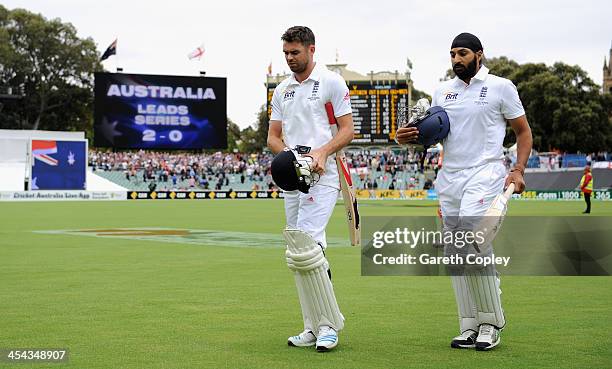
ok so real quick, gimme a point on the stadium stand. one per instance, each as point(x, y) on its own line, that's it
point(554, 160)
point(383, 169)
point(223, 171)
point(566, 179)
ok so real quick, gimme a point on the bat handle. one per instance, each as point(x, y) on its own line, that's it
point(331, 117)
point(509, 190)
point(329, 109)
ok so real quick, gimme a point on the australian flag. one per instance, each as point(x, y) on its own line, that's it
point(111, 50)
point(58, 165)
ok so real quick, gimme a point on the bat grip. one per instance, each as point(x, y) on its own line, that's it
point(329, 109)
point(509, 190)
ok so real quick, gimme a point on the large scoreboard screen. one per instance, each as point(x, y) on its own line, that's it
point(375, 109)
point(138, 111)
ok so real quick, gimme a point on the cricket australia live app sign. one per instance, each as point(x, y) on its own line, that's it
point(160, 112)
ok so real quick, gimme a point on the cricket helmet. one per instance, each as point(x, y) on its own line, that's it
point(291, 170)
point(433, 126)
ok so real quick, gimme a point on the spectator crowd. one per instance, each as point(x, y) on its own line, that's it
point(372, 169)
point(172, 170)
point(201, 171)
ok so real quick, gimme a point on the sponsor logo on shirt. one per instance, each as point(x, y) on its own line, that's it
point(289, 95)
point(451, 96)
point(347, 96)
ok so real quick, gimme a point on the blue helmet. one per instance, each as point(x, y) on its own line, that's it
point(433, 127)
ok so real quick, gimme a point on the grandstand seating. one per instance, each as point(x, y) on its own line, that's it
point(403, 180)
point(566, 179)
point(113, 167)
point(137, 182)
point(567, 160)
point(574, 161)
point(533, 162)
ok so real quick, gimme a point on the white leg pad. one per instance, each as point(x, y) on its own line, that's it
point(465, 304)
point(484, 287)
point(306, 314)
point(315, 290)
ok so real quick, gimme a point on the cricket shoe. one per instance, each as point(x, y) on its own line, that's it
point(327, 339)
point(304, 339)
point(466, 339)
point(488, 337)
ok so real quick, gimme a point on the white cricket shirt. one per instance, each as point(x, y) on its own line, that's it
point(301, 109)
point(477, 114)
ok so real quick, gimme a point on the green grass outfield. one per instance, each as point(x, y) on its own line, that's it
point(119, 303)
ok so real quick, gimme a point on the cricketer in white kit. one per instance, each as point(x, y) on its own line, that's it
point(299, 118)
point(479, 105)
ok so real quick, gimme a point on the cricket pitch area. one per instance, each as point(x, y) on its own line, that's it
point(204, 284)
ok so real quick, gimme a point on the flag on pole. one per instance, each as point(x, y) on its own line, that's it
point(197, 53)
point(270, 69)
point(111, 50)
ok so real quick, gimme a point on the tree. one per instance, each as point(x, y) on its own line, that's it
point(248, 138)
point(51, 66)
point(564, 107)
point(502, 66)
point(261, 126)
point(255, 137)
point(233, 136)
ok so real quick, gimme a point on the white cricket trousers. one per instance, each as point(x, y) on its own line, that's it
point(311, 211)
point(469, 193)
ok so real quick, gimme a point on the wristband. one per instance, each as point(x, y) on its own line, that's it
point(520, 170)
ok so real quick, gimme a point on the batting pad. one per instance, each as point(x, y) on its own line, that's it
point(465, 304)
point(484, 286)
point(317, 299)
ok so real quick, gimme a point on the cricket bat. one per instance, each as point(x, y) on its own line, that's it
point(491, 221)
point(346, 184)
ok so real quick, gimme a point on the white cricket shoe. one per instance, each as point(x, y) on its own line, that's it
point(488, 337)
point(304, 339)
point(327, 339)
point(466, 339)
